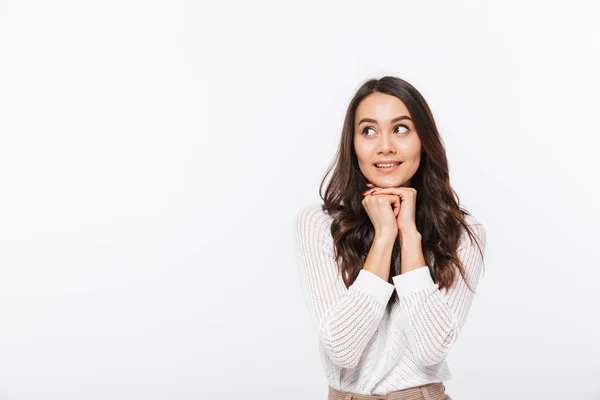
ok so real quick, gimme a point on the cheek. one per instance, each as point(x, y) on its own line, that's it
point(363, 162)
point(412, 148)
point(362, 154)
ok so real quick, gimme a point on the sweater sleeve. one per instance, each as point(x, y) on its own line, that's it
point(432, 318)
point(345, 319)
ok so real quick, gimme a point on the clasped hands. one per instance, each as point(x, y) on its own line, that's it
point(404, 207)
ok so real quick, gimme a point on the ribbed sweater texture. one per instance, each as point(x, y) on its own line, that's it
point(368, 344)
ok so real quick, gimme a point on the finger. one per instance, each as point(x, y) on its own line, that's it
point(369, 184)
point(396, 191)
point(370, 191)
point(391, 190)
point(396, 206)
point(392, 199)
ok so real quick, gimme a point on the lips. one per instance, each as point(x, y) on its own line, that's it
point(395, 163)
point(388, 170)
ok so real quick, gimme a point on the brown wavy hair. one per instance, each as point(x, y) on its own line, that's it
point(439, 216)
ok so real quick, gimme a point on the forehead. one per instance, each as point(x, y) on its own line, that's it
point(382, 107)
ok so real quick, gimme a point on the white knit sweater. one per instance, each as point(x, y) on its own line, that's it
point(368, 346)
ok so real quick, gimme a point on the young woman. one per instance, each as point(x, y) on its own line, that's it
point(390, 262)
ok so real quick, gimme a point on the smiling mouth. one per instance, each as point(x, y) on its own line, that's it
point(384, 166)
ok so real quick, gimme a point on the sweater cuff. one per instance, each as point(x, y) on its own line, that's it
point(373, 285)
point(412, 281)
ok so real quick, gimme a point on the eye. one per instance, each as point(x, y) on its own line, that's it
point(404, 126)
point(366, 129)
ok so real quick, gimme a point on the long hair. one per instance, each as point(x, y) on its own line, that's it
point(439, 216)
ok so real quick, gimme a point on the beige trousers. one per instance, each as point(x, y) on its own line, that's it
point(430, 391)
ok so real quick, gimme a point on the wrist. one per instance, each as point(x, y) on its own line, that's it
point(411, 235)
point(384, 241)
point(412, 252)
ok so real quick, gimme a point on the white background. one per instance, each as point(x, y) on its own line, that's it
point(153, 155)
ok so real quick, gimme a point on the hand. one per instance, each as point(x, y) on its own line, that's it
point(381, 211)
point(406, 211)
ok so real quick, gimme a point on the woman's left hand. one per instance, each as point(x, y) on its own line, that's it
point(405, 216)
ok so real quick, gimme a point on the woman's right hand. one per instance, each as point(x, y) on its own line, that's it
point(381, 209)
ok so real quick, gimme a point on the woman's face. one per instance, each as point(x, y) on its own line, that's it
point(384, 133)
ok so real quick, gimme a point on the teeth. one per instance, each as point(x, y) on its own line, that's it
point(385, 165)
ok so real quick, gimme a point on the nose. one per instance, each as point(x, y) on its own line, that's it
point(385, 144)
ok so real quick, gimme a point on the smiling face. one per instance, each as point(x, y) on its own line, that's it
point(384, 133)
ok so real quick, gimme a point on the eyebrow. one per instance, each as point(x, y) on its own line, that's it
point(391, 121)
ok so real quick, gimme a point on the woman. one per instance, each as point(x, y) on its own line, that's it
point(390, 262)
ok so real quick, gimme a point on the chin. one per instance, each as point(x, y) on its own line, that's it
point(389, 185)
